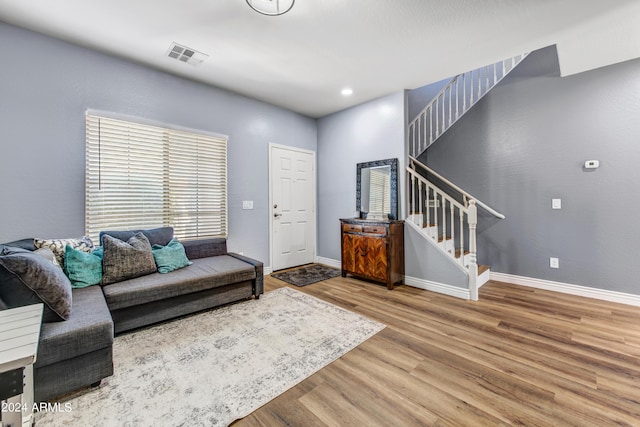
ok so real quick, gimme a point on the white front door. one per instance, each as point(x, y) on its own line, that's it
point(292, 196)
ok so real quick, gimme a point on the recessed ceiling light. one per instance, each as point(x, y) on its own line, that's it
point(347, 91)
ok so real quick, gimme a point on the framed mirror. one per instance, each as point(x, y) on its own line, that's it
point(377, 189)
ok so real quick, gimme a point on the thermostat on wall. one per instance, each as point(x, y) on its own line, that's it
point(591, 164)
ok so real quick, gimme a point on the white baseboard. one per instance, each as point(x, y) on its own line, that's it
point(566, 288)
point(329, 262)
point(413, 281)
point(320, 260)
point(440, 288)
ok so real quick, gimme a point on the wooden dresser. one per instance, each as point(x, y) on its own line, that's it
point(373, 249)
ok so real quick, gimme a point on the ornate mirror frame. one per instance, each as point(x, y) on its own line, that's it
point(393, 183)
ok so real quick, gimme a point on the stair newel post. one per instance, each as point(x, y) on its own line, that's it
point(473, 264)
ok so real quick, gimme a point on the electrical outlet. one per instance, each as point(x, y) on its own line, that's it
point(554, 262)
point(247, 204)
point(556, 203)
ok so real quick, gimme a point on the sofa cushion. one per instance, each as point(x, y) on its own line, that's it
point(83, 268)
point(204, 273)
point(58, 245)
point(28, 278)
point(157, 236)
point(89, 328)
point(27, 244)
point(171, 257)
point(203, 248)
point(126, 260)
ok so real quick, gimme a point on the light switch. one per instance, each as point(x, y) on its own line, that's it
point(556, 203)
point(247, 204)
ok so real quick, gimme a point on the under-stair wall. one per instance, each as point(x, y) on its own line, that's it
point(428, 268)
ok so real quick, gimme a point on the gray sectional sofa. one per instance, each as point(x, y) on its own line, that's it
point(77, 352)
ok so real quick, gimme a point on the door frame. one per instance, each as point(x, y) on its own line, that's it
point(314, 228)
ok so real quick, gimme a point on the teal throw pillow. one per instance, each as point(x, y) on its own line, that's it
point(83, 268)
point(171, 257)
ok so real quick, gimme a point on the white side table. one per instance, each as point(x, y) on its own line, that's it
point(19, 336)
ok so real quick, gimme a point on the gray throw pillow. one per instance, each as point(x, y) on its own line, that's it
point(126, 260)
point(28, 278)
point(157, 236)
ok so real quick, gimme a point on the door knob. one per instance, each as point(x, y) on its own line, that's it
point(276, 215)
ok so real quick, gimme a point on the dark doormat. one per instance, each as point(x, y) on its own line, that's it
point(307, 275)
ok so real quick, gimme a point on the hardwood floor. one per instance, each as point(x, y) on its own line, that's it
point(519, 356)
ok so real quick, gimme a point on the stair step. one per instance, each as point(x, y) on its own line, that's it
point(458, 253)
point(482, 269)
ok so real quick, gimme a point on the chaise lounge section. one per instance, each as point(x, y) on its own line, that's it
point(77, 352)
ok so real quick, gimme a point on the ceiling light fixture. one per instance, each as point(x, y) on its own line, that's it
point(347, 91)
point(271, 7)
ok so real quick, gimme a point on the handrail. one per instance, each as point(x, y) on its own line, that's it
point(458, 189)
point(424, 180)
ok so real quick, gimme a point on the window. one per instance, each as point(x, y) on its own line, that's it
point(143, 176)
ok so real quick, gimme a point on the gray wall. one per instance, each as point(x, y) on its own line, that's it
point(367, 132)
point(424, 261)
point(45, 87)
point(525, 143)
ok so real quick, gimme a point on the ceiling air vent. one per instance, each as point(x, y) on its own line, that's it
point(186, 54)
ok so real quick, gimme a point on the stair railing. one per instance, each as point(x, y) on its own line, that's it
point(444, 220)
point(464, 195)
point(437, 215)
point(455, 99)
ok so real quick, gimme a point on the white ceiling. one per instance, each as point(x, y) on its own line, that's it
point(303, 59)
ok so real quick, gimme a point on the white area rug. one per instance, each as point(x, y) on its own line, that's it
point(215, 367)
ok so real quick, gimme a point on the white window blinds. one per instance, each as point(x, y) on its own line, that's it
point(143, 176)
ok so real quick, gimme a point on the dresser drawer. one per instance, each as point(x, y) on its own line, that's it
point(352, 227)
point(375, 229)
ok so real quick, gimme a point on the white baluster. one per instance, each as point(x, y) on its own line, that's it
point(435, 212)
point(450, 96)
point(420, 202)
point(444, 116)
point(464, 93)
point(453, 229)
point(471, 91)
point(430, 125)
point(495, 73)
point(457, 95)
point(444, 220)
point(427, 208)
point(461, 237)
point(486, 70)
point(473, 266)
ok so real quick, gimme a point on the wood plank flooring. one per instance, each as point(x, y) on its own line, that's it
point(519, 356)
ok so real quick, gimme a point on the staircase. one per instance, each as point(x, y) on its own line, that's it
point(453, 101)
point(448, 218)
